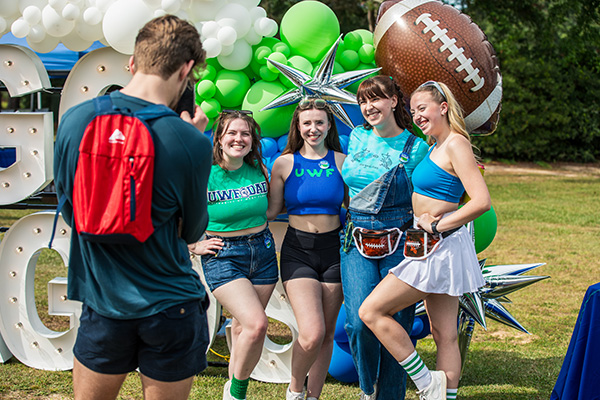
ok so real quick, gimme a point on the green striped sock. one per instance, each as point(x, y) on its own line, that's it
point(451, 394)
point(417, 370)
point(239, 388)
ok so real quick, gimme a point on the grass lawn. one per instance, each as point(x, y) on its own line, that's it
point(545, 214)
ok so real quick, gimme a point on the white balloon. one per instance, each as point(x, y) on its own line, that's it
point(159, 13)
point(32, 15)
point(103, 5)
point(239, 58)
point(75, 42)
point(170, 6)
point(210, 29)
point(57, 4)
point(3, 26)
point(212, 47)
point(23, 4)
point(20, 28)
point(122, 22)
point(265, 27)
point(8, 8)
point(226, 50)
point(92, 16)
point(37, 33)
point(241, 16)
point(54, 23)
point(183, 15)
point(48, 44)
point(152, 3)
point(88, 31)
point(257, 12)
point(248, 3)
point(71, 12)
point(252, 37)
point(204, 10)
point(227, 36)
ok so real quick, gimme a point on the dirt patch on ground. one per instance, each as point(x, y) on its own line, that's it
point(558, 169)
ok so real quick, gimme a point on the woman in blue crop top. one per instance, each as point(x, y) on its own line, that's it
point(306, 180)
point(238, 254)
point(438, 277)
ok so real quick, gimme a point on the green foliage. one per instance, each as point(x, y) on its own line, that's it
point(549, 52)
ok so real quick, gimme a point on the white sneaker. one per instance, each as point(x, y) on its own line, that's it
point(436, 389)
point(291, 396)
point(227, 391)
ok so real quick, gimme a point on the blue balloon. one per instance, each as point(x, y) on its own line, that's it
point(341, 366)
point(344, 143)
point(420, 328)
point(340, 335)
point(282, 142)
point(269, 146)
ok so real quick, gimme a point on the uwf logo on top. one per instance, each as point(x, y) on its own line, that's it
point(255, 189)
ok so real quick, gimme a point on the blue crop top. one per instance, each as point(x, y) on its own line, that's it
point(314, 186)
point(431, 180)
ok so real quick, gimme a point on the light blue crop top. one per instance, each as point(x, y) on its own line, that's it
point(314, 186)
point(370, 156)
point(431, 180)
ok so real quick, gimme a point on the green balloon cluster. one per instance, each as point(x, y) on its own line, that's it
point(485, 227)
point(302, 46)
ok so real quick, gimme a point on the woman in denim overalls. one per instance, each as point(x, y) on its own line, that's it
point(381, 157)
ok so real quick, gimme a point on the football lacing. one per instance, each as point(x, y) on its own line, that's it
point(449, 44)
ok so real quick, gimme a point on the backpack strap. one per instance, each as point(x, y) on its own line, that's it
point(61, 203)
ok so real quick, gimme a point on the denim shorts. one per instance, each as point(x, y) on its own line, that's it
point(251, 257)
point(168, 346)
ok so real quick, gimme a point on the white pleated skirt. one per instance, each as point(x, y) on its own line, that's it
point(451, 269)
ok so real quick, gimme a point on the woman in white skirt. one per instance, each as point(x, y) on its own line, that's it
point(439, 273)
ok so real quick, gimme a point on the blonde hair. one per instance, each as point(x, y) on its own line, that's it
point(455, 115)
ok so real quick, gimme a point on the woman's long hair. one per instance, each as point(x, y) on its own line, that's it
point(455, 113)
point(295, 141)
point(254, 158)
point(384, 86)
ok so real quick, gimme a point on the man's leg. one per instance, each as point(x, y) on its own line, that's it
point(91, 385)
point(158, 390)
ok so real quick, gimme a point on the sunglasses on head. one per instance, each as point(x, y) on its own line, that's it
point(437, 86)
point(244, 112)
point(312, 102)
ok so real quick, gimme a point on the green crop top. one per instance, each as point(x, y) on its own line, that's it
point(236, 199)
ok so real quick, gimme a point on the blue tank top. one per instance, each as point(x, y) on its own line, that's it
point(314, 186)
point(431, 180)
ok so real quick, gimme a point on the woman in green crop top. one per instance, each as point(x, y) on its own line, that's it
point(238, 251)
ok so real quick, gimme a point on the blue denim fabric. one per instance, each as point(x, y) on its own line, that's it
point(385, 203)
point(252, 257)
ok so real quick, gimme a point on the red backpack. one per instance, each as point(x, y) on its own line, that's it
point(112, 191)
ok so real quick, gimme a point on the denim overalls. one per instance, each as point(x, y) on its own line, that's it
point(384, 203)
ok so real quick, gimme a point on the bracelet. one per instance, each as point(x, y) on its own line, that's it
point(434, 227)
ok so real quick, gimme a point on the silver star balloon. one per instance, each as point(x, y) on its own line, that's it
point(323, 85)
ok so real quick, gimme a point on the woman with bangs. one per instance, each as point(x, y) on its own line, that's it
point(238, 251)
point(449, 268)
point(306, 181)
point(382, 155)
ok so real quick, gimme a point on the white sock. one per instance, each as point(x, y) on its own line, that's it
point(417, 370)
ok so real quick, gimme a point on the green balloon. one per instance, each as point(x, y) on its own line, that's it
point(366, 35)
point(261, 54)
point(206, 89)
point(231, 87)
point(485, 227)
point(366, 53)
point(353, 41)
point(279, 57)
point(309, 28)
point(349, 60)
point(282, 48)
point(300, 63)
point(211, 108)
point(209, 72)
point(268, 75)
point(274, 122)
